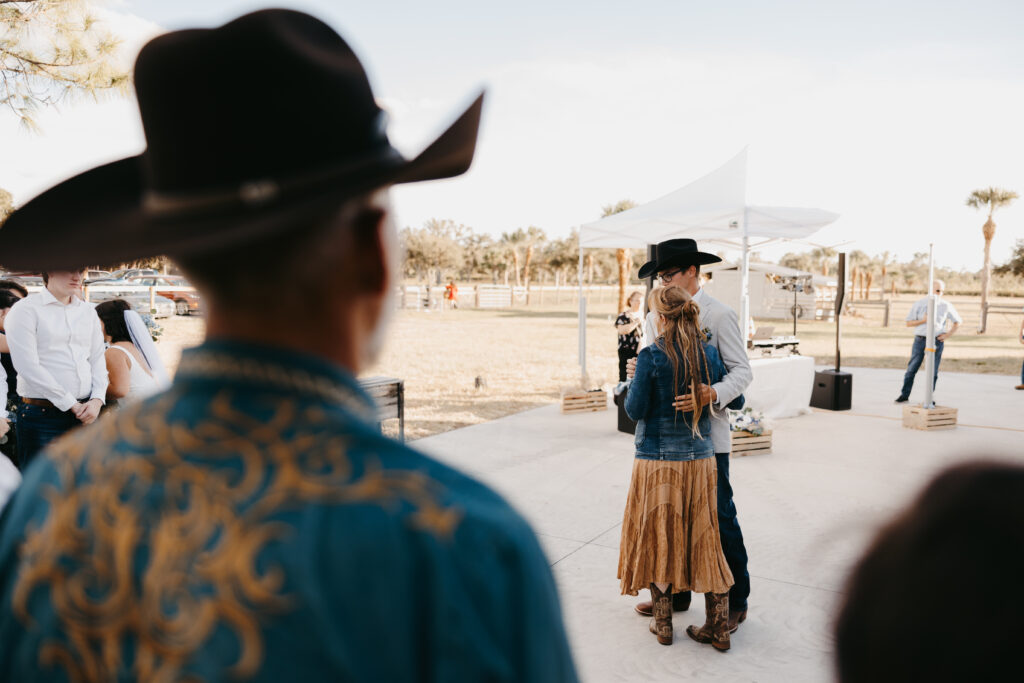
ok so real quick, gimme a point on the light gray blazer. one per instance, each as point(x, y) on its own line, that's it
point(721, 325)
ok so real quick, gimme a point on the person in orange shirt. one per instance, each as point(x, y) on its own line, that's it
point(451, 293)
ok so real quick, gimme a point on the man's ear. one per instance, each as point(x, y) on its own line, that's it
point(371, 252)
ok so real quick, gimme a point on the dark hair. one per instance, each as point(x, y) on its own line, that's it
point(12, 286)
point(111, 314)
point(46, 277)
point(8, 298)
point(239, 276)
point(942, 572)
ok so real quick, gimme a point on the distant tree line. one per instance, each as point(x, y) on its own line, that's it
point(443, 249)
point(883, 273)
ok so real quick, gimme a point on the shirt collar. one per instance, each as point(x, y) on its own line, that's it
point(699, 296)
point(49, 298)
point(285, 371)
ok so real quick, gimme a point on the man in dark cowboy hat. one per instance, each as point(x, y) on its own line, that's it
point(677, 262)
point(252, 523)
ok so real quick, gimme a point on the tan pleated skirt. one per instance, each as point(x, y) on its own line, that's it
point(670, 528)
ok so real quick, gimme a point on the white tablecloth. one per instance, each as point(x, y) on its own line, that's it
point(782, 386)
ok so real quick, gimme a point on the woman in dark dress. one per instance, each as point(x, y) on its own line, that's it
point(629, 325)
point(8, 298)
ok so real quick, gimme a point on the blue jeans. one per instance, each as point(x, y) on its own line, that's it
point(732, 538)
point(916, 358)
point(38, 426)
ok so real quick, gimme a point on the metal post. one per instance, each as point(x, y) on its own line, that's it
point(929, 345)
point(745, 283)
point(583, 322)
point(794, 306)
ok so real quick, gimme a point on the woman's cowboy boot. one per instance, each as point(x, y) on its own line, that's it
point(661, 624)
point(716, 624)
point(702, 634)
point(720, 622)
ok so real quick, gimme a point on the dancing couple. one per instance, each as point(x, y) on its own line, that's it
point(679, 529)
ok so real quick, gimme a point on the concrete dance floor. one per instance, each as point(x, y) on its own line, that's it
point(806, 510)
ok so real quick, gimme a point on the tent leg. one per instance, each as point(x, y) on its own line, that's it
point(745, 284)
point(583, 322)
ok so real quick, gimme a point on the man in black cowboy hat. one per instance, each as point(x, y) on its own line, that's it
point(677, 262)
point(252, 523)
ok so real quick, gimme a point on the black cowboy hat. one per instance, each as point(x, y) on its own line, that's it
point(678, 252)
point(250, 127)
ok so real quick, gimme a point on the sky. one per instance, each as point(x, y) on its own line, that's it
point(888, 113)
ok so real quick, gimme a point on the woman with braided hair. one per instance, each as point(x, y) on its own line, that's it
point(670, 540)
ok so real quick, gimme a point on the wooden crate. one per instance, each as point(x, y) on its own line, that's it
point(929, 419)
point(584, 401)
point(745, 443)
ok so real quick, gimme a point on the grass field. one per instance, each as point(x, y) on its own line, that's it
point(526, 356)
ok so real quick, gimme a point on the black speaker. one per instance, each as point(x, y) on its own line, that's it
point(626, 425)
point(833, 390)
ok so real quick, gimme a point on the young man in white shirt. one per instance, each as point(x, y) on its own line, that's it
point(57, 348)
point(945, 314)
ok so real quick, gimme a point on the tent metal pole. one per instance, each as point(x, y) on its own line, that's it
point(929, 346)
point(583, 321)
point(745, 283)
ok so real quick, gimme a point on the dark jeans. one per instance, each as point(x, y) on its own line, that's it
point(38, 426)
point(916, 358)
point(732, 538)
point(624, 355)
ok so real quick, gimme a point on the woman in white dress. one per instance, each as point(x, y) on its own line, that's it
point(133, 365)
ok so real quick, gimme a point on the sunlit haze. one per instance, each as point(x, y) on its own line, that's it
point(887, 116)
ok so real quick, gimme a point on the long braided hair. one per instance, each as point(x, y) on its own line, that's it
point(681, 340)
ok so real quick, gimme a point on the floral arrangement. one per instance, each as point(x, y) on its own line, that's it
point(748, 420)
point(155, 330)
point(707, 333)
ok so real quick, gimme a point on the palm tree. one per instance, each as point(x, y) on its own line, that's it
point(621, 255)
point(993, 198)
point(823, 256)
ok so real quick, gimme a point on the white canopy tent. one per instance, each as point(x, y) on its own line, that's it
point(712, 210)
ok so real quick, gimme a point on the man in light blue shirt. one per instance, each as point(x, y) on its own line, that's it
point(945, 315)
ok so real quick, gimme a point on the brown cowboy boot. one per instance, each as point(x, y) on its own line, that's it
point(716, 625)
point(680, 603)
point(661, 624)
point(735, 619)
point(702, 634)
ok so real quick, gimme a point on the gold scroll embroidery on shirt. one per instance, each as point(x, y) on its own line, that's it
point(167, 576)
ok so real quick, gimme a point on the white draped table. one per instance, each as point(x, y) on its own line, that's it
point(781, 386)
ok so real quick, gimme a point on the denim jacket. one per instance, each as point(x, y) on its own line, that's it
point(663, 433)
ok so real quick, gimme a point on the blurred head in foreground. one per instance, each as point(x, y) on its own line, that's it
point(937, 597)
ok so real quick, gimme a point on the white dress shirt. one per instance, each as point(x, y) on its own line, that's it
point(721, 324)
point(944, 312)
point(57, 349)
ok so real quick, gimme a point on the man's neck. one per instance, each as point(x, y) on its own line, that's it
point(62, 297)
point(328, 341)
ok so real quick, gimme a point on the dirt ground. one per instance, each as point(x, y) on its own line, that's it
point(525, 357)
